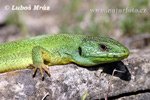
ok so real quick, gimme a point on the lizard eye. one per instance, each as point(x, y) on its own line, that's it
point(80, 51)
point(103, 47)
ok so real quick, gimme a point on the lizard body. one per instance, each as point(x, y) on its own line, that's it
point(40, 51)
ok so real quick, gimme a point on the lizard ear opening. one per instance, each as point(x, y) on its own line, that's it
point(103, 47)
point(80, 51)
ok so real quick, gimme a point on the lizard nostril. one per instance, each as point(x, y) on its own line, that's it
point(124, 51)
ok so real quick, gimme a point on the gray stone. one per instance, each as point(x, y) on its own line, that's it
point(71, 82)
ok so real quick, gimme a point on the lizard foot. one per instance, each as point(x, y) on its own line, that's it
point(43, 67)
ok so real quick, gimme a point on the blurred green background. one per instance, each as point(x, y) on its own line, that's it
point(76, 17)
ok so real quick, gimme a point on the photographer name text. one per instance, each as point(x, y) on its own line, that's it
point(28, 7)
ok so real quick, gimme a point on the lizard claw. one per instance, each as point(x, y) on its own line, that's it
point(43, 67)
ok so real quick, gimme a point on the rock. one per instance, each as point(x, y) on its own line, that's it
point(136, 96)
point(71, 82)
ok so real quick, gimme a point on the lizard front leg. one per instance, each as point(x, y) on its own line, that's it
point(39, 55)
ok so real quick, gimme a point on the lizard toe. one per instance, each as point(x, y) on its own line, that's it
point(46, 69)
point(41, 68)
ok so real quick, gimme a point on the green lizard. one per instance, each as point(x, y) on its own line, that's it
point(47, 50)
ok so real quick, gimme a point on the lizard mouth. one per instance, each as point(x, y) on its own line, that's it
point(117, 55)
point(110, 55)
point(123, 54)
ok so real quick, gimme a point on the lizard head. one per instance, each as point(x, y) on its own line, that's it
point(102, 50)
